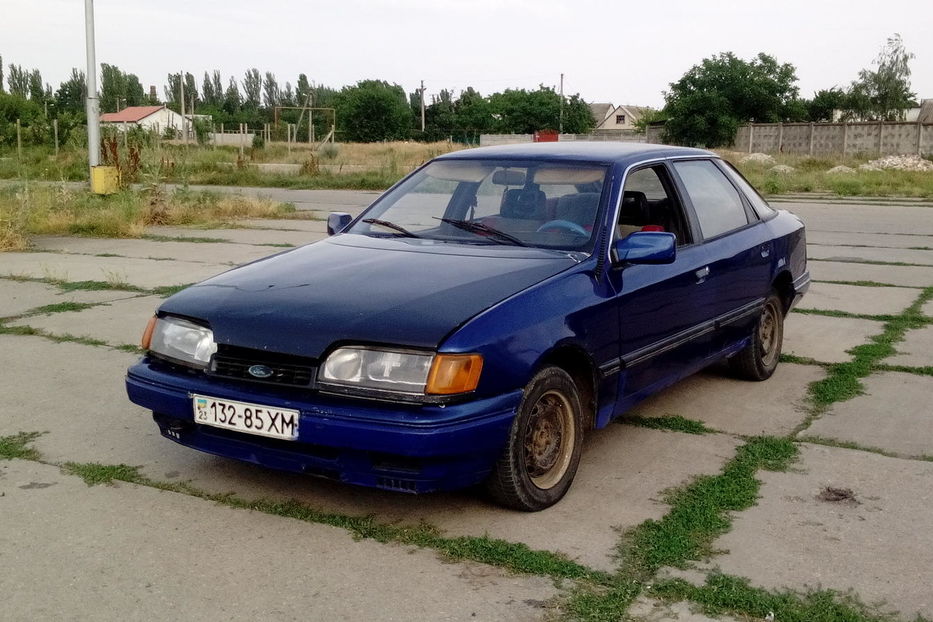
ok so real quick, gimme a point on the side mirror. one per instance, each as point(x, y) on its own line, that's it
point(645, 247)
point(337, 222)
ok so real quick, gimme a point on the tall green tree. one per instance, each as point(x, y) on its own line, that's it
point(71, 94)
point(252, 88)
point(1, 75)
point(207, 91)
point(18, 81)
point(119, 89)
point(524, 112)
point(824, 103)
point(232, 99)
point(706, 106)
point(884, 93)
point(271, 94)
point(373, 110)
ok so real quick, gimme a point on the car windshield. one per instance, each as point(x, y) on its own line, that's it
point(541, 204)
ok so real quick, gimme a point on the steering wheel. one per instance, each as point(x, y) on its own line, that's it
point(564, 225)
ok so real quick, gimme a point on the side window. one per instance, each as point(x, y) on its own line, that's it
point(760, 206)
point(649, 204)
point(717, 203)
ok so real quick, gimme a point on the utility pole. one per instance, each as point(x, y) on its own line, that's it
point(181, 87)
point(92, 104)
point(421, 91)
point(560, 129)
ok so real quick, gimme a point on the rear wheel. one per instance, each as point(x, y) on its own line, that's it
point(544, 445)
point(759, 359)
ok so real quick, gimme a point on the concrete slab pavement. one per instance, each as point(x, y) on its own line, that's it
point(646, 609)
point(117, 323)
point(284, 224)
point(894, 415)
point(826, 339)
point(143, 273)
point(196, 252)
point(879, 544)
point(860, 253)
point(907, 276)
point(619, 484)
point(927, 309)
point(858, 299)
point(849, 218)
point(916, 350)
point(240, 236)
point(17, 297)
point(773, 407)
point(879, 240)
point(135, 553)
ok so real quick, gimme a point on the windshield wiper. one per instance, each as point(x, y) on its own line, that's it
point(390, 225)
point(480, 228)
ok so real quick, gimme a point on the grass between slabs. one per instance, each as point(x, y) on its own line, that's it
point(842, 381)
point(17, 447)
point(668, 422)
point(513, 556)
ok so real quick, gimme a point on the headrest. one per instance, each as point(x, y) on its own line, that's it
point(524, 204)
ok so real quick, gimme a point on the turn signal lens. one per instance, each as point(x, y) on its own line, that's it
point(454, 373)
point(147, 334)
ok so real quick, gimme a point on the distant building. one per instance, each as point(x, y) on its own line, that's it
point(923, 114)
point(155, 118)
point(609, 117)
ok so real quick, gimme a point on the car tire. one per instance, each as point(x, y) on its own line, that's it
point(544, 446)
point(760, 358)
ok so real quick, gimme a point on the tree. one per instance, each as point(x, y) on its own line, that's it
point(1, 74)
point(518, 111)
point(119, 90)
point(207, 91)
point(707, 104)
point(18, 81)
point(824, 103)
point(232, 98)
point(473, 113)
point(252, 88)
point(36, 87)
point(884, 93)
point(71, 94)
point(373, 110)
point(271, 94)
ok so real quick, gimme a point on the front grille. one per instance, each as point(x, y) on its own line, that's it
point(285, 370)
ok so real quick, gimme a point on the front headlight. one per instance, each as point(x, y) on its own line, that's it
point(401, 371)
point(180, 340)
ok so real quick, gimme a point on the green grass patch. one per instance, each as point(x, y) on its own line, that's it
point(800, 360)
point(91, 286)
point(700, 512)
point(727, 595)
point(17, 447)
point(181, 238)
point(831, 442)
point(62, 307)
point(95, 474)
point(169, 290)
point(675, 423)
point(843, 380)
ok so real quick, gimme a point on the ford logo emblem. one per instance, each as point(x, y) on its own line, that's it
point(260, 371)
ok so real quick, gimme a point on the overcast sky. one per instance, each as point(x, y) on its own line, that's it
point(619, 52)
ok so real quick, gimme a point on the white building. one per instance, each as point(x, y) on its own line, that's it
point(155, 118)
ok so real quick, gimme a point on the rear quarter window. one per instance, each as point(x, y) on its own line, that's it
point(717, 203)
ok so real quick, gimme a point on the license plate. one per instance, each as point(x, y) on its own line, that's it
point(249, 418)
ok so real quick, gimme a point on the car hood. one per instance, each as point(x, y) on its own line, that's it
point(353, 288)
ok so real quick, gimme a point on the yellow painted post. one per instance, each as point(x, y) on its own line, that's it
point(105, 179)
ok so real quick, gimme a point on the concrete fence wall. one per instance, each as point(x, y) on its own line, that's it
point(868, 138)
point(630, 136)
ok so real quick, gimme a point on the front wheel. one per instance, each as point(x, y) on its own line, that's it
point(544, 446)
point(759, 359)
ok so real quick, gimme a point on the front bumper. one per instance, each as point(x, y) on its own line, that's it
point(378, 444)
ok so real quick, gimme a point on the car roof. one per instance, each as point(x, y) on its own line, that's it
point(625, 153)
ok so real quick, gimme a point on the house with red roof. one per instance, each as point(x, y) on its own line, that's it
point(155, 118)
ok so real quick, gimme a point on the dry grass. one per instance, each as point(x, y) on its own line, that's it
point(31, 209)
point(811, 175)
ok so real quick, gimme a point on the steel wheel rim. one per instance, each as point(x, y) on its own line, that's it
point(769, 334)
point(549, 440)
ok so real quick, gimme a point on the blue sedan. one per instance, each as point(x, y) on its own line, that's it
point(478, 319)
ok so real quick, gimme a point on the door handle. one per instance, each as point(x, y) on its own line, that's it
point(765, 250)
point(702, 273)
